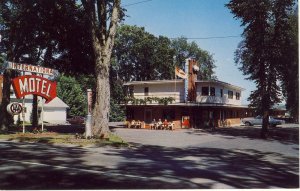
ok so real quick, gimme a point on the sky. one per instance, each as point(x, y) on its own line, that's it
point(195, 19)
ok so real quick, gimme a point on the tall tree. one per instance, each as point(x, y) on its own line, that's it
point(140, 55)
point(184, 49)
point(257, 53)
point(42, 32)
point(286, 29)
point(15, 40)
point(99, 13)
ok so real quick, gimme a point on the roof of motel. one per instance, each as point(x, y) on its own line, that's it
point(181, 81)
point(57, 103)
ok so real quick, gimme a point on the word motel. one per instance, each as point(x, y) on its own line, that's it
point(32, 84)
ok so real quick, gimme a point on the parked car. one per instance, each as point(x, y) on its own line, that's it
point(76, 120)
point(258, 121)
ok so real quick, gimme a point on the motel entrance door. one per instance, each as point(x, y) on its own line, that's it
point(148, 116)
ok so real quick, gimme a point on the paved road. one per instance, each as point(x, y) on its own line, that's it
point(157, 159)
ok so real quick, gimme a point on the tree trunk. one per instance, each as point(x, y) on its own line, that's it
point(100, 121)
point(5, 118)
point(102, 43)
point(265, 125)
point(265, 112)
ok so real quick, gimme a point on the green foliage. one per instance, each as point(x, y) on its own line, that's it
point(137, 101)
point(166, 100)
point(183, 50)
point(70, 91)
point(139, 55)
point(117, 113)
point(262, 53)
point(289, 63)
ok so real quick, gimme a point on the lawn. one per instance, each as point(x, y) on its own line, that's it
point(63, 138)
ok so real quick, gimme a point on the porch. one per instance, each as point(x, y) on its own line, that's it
point(185, 116)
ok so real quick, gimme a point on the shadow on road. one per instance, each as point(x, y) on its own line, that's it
point(283, 135)
point(42, 166)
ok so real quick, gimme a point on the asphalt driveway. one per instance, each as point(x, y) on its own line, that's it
point(218, 159)
point(157, 159)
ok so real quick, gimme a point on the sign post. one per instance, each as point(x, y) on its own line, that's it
point(23, 114)
point(42, 114)
point(88, 121)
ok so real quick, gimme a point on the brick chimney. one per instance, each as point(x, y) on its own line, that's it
point(192, 77)
point(190, 89)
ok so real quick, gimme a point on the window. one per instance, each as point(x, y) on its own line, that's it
point(211, 115)
point(230, 94)
point(204, 91)
point(221, 92)
point(146, 91)
point(168, 114)
point(212, 91)
point(237, 95)
point(131, 91)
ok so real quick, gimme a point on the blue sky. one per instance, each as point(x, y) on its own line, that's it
point(195, 19)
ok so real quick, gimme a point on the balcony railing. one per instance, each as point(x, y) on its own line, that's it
point(212, 99)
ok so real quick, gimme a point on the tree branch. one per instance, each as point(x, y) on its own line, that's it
point(112, 27)
point(102, 17)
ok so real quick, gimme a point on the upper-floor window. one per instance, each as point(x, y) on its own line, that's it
point(204, 91)
point(230, 94)
point(131, 91)
point(221, 92)
point(146, 91)
point(237, 95)
point(212, 91)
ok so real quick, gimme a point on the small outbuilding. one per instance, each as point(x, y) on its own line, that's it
point(55, 111)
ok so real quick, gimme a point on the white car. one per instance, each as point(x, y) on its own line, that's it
point(258, 121)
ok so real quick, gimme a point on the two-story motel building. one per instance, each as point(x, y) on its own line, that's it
point(203, 102)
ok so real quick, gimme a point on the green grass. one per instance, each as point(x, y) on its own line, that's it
point(56, 138)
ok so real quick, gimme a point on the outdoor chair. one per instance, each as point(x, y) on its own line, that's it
point(132, 124)
point(153, 126)
point(171, 126)
point(159, 126)
point(138, 125)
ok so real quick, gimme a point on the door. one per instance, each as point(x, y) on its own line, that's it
point(148, 116)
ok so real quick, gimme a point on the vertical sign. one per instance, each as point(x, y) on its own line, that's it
point(89, 100)
point(88, 121)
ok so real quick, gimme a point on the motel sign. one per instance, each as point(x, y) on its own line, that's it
point(32, 84)
point(30, 68)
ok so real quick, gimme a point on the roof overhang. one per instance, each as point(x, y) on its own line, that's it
point(153, 82)
point(193, 105)
point(181, 81)
point(221, 83)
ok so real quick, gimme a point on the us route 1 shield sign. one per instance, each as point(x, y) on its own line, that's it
point(14, 108)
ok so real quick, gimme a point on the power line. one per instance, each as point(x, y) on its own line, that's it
point(127, 5)
point(212, 37)
point(191, 38)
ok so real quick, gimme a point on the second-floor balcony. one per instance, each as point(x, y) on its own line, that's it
point(212, 99)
